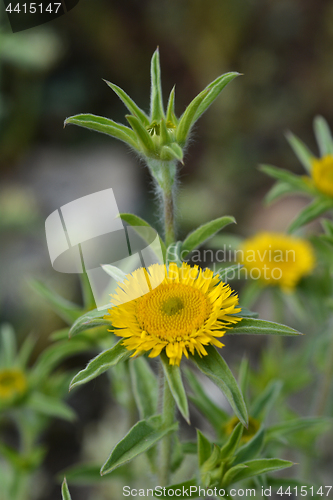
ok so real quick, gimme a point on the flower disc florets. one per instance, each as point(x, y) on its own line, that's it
point(177, 309)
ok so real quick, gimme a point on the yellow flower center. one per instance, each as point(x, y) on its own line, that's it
point(12, 383)
point(172, 311)
point(322, 174)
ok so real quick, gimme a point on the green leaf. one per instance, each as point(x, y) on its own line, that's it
point(173, 254)
point(279, 190)
point(144, 386)
point(301, 151)
point(50, 406)
point(141, 134)
point(170, 115)
point(254, 468)
point(215, 415)
point(172, 152)
point(187, 119)
point(228, 450)
point(323, 136)
point(243, 375)
point(251, 448)
point(53, 356)
point(296, 181)
point(294, 425)
point(203, 233)
point(226, 272)
point(25, 351)
point(135, 221)
point(91, 319)
point(204, 448)
point(129, 103)
point(7, 345)
point(101, 364)
point(214, 366)
point(144, 435)
point(87, 474)
point(215, 88)
point(231, 474)
point(190, 487)
point(246, 313)
point(173, 376)
point(105, 126)
point(265, 401)
point(156, 101)
point(311, 212)
point(250, 326)
point(65, 491)
point(67, 310)
point(87, 294)
point(115, 273)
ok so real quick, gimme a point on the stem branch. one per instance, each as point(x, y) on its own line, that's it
point(166, 445)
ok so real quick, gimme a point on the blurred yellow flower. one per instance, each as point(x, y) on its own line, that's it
point(248, 432)
point(179, 310)
point(322, 174)
point(12, 383)
point(276, 259)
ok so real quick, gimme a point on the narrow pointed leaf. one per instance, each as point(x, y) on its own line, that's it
point(279, 190)
point(214, 366)
point(296, 181)
point(230, 475)
point(113, 271)
point(156, 101)
point(170, 115)
point(101, 364)
point(173, 376)
point(215, 88)
point(265, 401)
point(254, 468)
point(87, 294)
point(65, 491)
point(204, 232)
point(144, 435)
point(231, 445)
point(296, 424)
point(51, 357)
point(227, 273)
point(311, 212)
point(67, 310)
point(164, 134)
point(204, 448)
point(144, 387)
point(50, 406)
point(251, 448)
point(251, 326)
point(142, 135)
point(105, 126)
point(129, 103)
point(187, 119)
point(91, 319)
point(301, 151)
point(135, 221)
point(323, 136)
point(210, 410)
point(183, 490)
point(171, 152)
point(7, 345)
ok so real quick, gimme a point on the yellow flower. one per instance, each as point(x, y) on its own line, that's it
point(276, 259)
point(180, 310)
point(12, 384)
point(248, 433)
point(322, 174)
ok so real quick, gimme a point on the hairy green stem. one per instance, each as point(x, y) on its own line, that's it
point(164, 173)
point(325, 389)
point(166, 445)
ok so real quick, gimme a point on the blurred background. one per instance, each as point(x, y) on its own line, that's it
point(284, 51)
